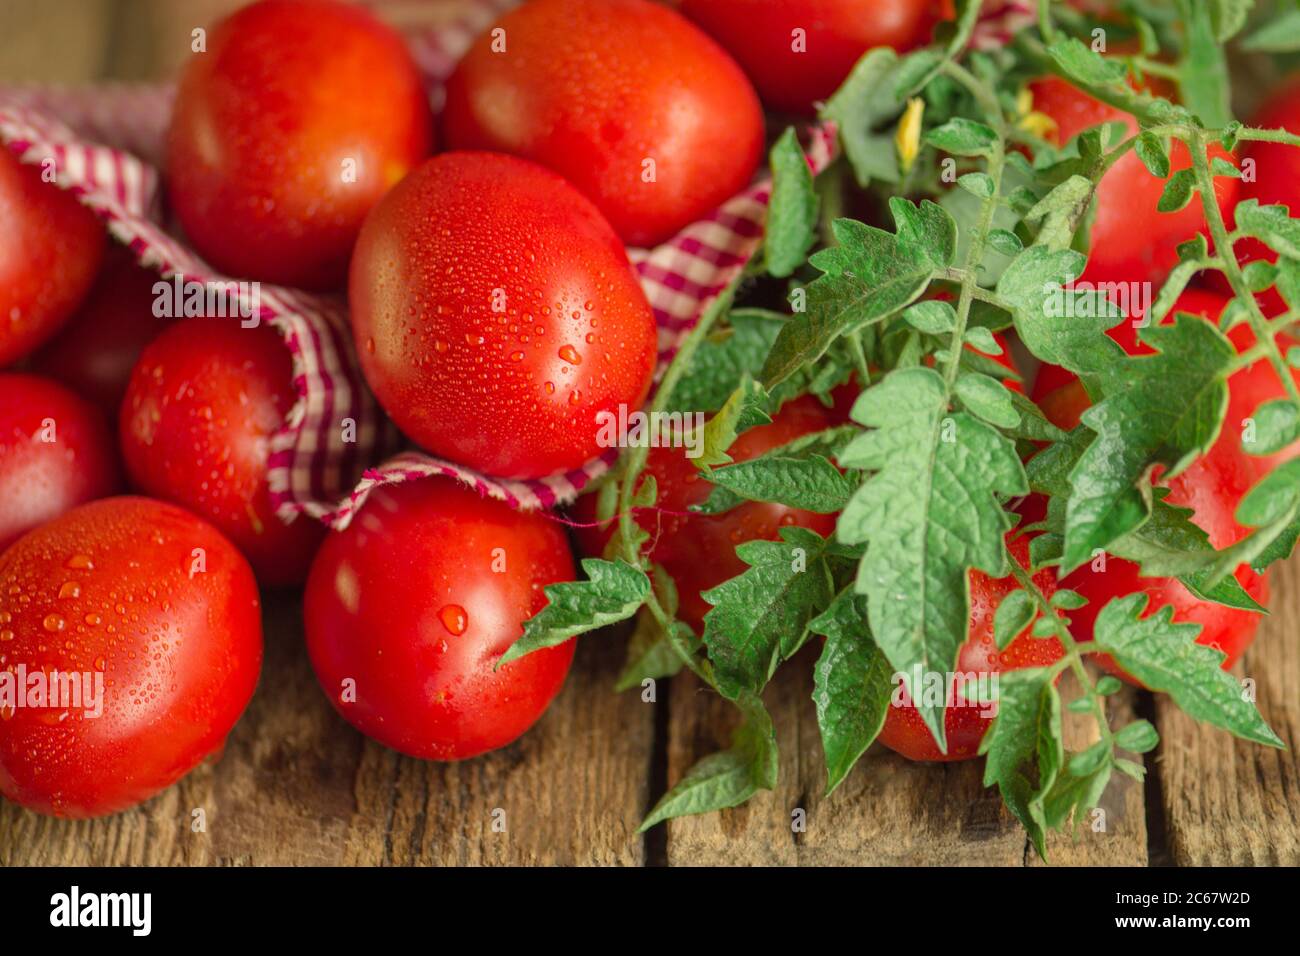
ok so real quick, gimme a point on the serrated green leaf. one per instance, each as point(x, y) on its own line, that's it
point(852, 685)
point(1023, 748)
point(809, 482)
point(650, 651)
point(729, 778)
point(762, 615)
point(792, 210)
point(861, 106)
point(1080, 63)
point(1166, 409)
point(721, 361)
point(928, 514)
point(868, 276)
point(612, 592)
point(1270, 224)
point(1164, 655)
point(746, 408)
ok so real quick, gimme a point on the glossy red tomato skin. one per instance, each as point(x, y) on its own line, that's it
point(905, 733)
point(55, 453)
point(195, 427)
point(264, 122)
point(496, 315)
point(94, 353)
point(759, 34)
point(50, 249)
point(112, 587)
point(1130, 241)
point(411, 603)
point(593, 89)
point(699, 551)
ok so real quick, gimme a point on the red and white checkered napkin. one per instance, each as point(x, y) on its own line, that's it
point(106, 144)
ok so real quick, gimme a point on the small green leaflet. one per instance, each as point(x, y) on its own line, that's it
point(852, 685)
point(650, 652)
point(1026, 731)
point(729, 778)
point(987, 398)
point(1271, 224)
point(1083, 65)
point(869, 275)
point(1154, 155)
point(798, 474)
point(928, 515)
point(1049, 319)
point(1164, 409)
point(612, 592)
point(762, 615)
point(1277, 424)
point(1164, 655)
point(864, 104)
point(792, 211)
point(746, 408)
point(963, 137)
point(1013, 615)
point(1060, 211)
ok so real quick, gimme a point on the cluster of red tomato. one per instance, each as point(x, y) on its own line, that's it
point(495, 315)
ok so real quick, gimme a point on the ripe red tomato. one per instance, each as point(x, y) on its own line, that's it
point(1130, 241)
point(699, 551)
point(95, 352)
point(1276, 176)
point(793, 70)
point(410, 607)
point(497, 317)
point(196, 425)
point(152, 606)
point(286, 131)
point(50, 250)
point(630, 102)
point(55, 453)
point(965, 722)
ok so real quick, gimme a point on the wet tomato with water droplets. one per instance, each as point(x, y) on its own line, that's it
point(626, 99)
point(286, 130)
point(496, 315)
point(153, 619)
point(799, 51)
point(50, 249)
point(196, 425)
point(409, 608)
point(697, 550)
point(56, 452)
point(966, 721)
point(94, 353)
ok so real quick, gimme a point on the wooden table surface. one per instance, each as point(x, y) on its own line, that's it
point(296, 785)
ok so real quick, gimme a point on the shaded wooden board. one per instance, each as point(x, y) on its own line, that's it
point(296, 785)
point(1225, 801)
point(889, 811)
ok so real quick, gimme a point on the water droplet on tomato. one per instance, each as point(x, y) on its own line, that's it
point(570, 355)
point(53, 623)
point(80, 562)
point(70, 589)
point(454, 619)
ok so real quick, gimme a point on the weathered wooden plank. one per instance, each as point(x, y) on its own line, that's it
point(54, 41)
point(296, 785)
point(1228, 802)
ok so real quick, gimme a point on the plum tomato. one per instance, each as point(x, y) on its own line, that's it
point(152, 623)
point(966, 721)
point(50, 250)
point(291, 125)
point(196, 425)
point(626, 99)
point(94, 353)
point(497, 317)
point(798, 52)
point(699, 551)
point(409, 608)
point(1129, 241)
point(56, 452)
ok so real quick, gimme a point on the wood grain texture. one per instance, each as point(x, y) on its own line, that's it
point(1228, 802)
point(298, 786)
